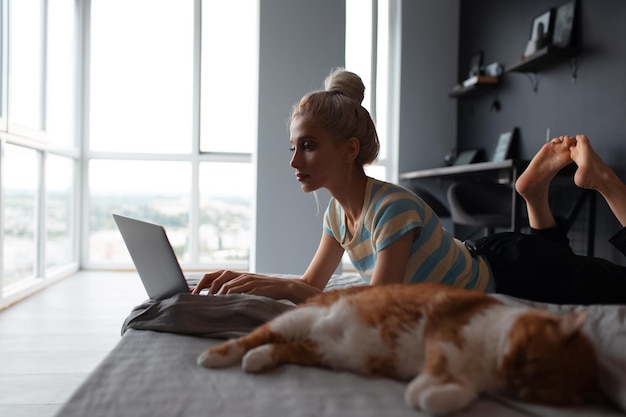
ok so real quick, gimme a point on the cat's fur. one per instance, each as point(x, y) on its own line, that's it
point(452, 344)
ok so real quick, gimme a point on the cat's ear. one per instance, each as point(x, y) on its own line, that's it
point(572, 322)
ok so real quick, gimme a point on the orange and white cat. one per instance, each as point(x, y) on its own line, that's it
point(452, 344)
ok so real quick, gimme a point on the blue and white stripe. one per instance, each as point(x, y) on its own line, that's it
point(389, 211)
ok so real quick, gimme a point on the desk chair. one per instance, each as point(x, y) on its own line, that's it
point(438, 207)
point(480, 204)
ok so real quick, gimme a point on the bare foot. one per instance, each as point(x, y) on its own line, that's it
point(551, 158)
point(592, 172)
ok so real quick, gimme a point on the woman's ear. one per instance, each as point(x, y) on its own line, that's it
point(353, 146)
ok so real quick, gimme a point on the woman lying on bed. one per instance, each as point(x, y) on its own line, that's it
point(392, 236)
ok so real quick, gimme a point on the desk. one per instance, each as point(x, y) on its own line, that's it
point(505, 171)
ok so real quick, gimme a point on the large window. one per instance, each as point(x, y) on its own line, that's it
point(166, 133)
point(38, 151)
point(171, 127)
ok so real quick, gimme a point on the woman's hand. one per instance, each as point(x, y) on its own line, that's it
point(233, 282)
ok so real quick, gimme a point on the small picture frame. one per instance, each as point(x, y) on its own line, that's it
point(564, 25)
point(466, 157)
point(541, 30)
point(476, 64)
point(504, 146)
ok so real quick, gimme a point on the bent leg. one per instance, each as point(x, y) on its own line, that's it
point(593, 173)
point(535, 268)
point(534, 183)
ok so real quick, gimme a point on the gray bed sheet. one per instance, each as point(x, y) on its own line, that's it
point(153, 370)
point(155, 374)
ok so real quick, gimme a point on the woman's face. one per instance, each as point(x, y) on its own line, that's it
point(318, 158)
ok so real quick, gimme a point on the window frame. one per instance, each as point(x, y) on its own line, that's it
point(14, 134)
point(195, 156)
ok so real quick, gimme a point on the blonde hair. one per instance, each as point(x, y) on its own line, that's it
point(338, 110)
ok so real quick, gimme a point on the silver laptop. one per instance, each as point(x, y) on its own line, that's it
point(153, 257)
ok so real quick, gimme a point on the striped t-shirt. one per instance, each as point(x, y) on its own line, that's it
point(389, 211)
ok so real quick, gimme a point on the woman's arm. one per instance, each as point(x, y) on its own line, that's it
point(324, 263)
point(297, 290)
point(392, 261)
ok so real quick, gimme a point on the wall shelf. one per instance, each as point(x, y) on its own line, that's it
point(474, 86)
point(543, 59)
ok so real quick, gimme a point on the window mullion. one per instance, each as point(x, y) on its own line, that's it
point(44, 65)
point(4, 30)
point(194, 215)
point(2, 200)
point(374, 60)
point(82, 128)
point(40, 216)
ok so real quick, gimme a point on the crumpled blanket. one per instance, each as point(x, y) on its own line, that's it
point(220, 317)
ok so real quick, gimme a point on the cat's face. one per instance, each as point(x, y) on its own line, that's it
point(549, 360)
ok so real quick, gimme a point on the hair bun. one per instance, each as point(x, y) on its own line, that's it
point(345, 82)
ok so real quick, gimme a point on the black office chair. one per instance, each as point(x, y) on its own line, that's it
point(438, 207)
point(482, 204)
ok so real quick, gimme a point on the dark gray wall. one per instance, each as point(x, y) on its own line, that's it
point(429, 62)
point(595, 104)
point(300, 41)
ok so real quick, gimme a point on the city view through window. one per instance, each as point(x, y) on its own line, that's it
point(162, 195)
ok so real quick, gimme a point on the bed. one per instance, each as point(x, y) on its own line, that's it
point(153, 372)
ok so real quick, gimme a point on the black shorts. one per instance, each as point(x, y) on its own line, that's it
point(541, 266)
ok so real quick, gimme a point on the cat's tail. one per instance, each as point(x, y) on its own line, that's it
point(231, 352)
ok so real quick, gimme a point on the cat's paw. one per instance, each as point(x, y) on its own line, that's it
point(416, 388)
point(441, 399)
point(221, 356)
point(259, 359)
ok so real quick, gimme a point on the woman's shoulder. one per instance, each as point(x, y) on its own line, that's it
point(387, 190)
point(389, 200)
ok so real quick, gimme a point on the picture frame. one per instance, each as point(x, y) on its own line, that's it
point(540, 32)
point(504, 146)
point(541, 29)
point(476, 64)
point(466, 157)
point(564, 25)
